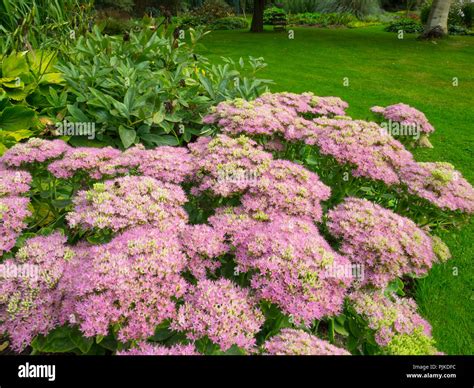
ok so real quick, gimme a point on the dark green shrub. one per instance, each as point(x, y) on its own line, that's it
point(274, 15)
point(229, 23)
point(114, 26)
point(425, 13)
point(407, 25)
point(212, 10)
point(457, 30)
point(189, 20)
point(151, 88)
point(120, 5)
point(468, 11)
point(322, 19)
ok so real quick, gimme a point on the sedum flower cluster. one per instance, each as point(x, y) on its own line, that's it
point(388, 245)
point(397, 326)
point(291, 342)
point(266, 238)
point(367, 148)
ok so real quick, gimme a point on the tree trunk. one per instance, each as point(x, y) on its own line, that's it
point(437, 24)
point(257, 19)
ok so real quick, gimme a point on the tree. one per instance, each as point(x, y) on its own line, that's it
point(257, 19)
point(437, 24)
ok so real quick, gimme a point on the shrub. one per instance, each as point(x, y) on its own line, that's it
point(358, 8)
point(274, 15)
point(229, 242)
point(468, 11)
point(212, 10)
point(28, 86)
point(322, 20)
point(407, 25)
point(229, 23)
point(153, 90)
point(114, 26)
point(42, 24)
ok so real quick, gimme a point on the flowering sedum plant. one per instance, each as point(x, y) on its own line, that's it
point(291, 232)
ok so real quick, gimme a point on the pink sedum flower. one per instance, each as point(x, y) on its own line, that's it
point(405, 115)
point(13, 212)
point(127, 202)
point(398, 328)
point(272, 114)
point(30, 304)
point(203, 244)
point(386, 244)
point(130, 283)
point(95, 162)
point(290, 261)
point(34, 150)
point(222, 311)
point(290, 188)
point(440, 184)
point(167, 164)
point(291, 342)
point(228, 166)
point(13, 182)
point(147, 349)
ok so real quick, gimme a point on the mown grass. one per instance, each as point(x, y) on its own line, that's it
point(383, 70)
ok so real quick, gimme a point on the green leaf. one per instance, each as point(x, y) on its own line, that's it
point(127, 136)
point(14, 65)
point(19, 134)
point(83, 343)
point(58, 341)
point(161, 140)
point(121, 108)
point(162, 332)
point(77, 114)
point(312, 160)
point(17, 117)
point(207, 84)
point(340, 329)
point(52, 78)
point(234, 350)
point(158, 117)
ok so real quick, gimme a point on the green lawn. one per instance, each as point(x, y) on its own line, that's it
point(384, 70)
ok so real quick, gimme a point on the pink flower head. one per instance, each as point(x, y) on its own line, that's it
point(223, 312)
point(167, 164)
point(440, 184)
point(96, 162)
point(203, 244)
point(127, 202)
point(131, 282)
point(291, 342)
point(289, 188)
point(30, 302)
point(228, 166)
point(405, 115)
point(395, 321)
point(386, 244)
point(34, 150)
point(13, 212)
point(291, 263)
point(147, 349)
